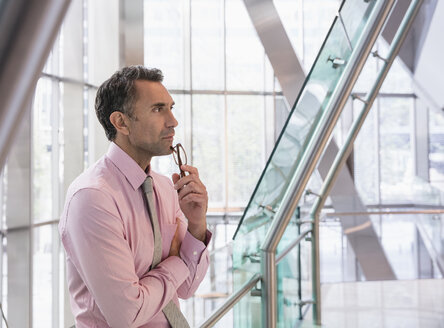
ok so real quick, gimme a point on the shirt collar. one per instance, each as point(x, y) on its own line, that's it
point(128, 166)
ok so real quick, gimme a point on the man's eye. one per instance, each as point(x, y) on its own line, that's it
point(157, 109)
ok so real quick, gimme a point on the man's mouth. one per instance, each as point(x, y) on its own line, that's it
point(169, 137)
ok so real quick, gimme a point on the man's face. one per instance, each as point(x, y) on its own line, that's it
point(152, 123)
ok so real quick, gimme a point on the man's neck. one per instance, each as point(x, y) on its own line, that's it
point(142, 161)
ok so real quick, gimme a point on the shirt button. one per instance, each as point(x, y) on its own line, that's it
point(194, 253)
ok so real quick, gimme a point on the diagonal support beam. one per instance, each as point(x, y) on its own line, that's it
point(278, 48)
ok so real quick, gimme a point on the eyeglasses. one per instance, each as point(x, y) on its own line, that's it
point(179, 154)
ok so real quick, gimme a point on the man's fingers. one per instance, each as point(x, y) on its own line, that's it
point(188, 181)
point(191, 187)
point(190, 169)
point(193, 197)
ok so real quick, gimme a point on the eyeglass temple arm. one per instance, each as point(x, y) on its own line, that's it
point(179, 160)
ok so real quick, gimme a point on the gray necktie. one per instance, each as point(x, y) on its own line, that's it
point(171, 311)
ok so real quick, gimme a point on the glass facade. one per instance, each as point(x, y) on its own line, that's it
point(436, 148)
point(230, 110)
point(212, 59)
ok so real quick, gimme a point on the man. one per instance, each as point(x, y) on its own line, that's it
point(107, 228)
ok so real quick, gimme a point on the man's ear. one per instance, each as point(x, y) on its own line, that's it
point(120, 122)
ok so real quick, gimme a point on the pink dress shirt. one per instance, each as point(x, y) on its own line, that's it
point(108, 238)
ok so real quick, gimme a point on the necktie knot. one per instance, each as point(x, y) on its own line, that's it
point(148, 185)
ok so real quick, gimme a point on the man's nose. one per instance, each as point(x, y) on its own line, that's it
point(171, 121)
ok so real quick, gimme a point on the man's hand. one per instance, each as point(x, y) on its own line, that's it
point(175, 243)
point(193, 201)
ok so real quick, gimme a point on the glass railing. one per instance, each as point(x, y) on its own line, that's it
point(431, 226)
point(319, 86)
point(293, 273)
point(329, 69)
point(275, 253)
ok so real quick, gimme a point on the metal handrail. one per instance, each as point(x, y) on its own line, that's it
point(292, 245)
point(231, 301)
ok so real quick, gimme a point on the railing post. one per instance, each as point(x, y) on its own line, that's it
point(315, 269)
point(269, 288)
point(298, 218)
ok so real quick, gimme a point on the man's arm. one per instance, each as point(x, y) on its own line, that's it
point(95, 241)
point(192, 201)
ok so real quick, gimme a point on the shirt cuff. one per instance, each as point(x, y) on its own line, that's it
point(176, 267)
point(192, 248)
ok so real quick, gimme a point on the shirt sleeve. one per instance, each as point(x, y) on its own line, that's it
point(195, 255)
point(94, 238)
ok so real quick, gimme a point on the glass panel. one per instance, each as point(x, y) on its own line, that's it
point(246, 262)
point(42, 152)
point(245, 146)
point(248, 312)
point(165, 34)
point(301, 123)
point(208, 153)
point(207, 30)
point(354, 15)
point(42, 277)
point(294, 279)
point(433, 232)
point(245, 54)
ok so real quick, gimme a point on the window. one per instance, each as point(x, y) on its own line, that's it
point(220, 70)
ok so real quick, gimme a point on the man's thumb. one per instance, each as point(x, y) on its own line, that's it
point(175, 177)
point(176, 238)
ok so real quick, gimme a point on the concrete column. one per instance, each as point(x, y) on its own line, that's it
point(18, 220)
point(421, 140)
point(103, 61)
